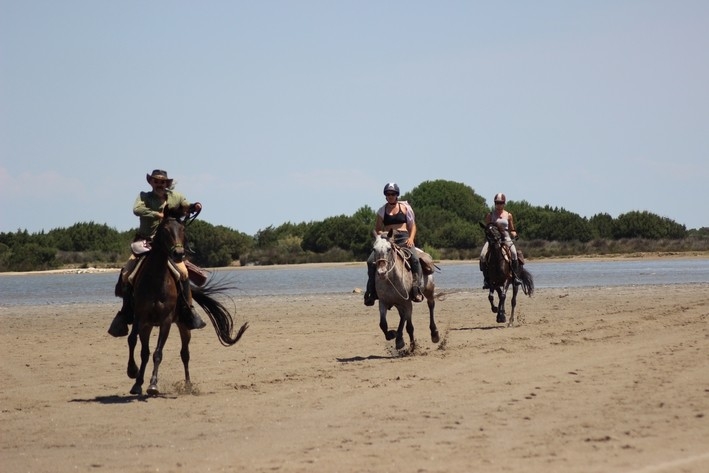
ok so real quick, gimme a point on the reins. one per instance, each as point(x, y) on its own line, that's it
point(391, 264)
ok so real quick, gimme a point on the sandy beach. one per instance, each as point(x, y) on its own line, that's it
point(589, 380)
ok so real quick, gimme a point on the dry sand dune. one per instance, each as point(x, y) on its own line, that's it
point(591, 380)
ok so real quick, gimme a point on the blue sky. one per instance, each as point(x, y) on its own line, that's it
point(276, 111)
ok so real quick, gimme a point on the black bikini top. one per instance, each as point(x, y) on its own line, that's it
point(396, 219)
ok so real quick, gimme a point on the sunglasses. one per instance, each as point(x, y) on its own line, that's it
point(160, 181)
point(501, 203)
point(391, 194)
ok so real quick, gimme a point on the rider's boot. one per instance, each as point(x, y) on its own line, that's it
point(515, 272)
point(416, 290)
point(119, 326)
point(486, 280)
point(188, 315)
point(370, 294)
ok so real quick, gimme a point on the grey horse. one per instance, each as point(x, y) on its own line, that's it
point(394, 283)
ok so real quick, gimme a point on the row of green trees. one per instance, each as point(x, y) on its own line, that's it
point(447, 215)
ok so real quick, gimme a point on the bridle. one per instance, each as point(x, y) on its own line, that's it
point(390, 264)
point(176, 249)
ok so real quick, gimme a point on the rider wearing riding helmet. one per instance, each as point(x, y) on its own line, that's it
point(397, 216)
point(504, 220)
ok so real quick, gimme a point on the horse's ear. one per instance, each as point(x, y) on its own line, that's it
point(391, 232)
point(482, 224)
point(375, 234)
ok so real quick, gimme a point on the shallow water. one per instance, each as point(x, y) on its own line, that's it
point(97, 288)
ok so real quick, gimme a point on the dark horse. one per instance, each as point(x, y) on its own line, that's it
point(155, 299)
point(500, 274)
point(394, 283)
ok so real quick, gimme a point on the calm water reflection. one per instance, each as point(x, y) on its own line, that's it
point(98, 288)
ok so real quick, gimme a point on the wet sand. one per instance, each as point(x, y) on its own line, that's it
point(588, 380)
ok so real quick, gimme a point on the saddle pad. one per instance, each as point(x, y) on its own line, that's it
point(196, 274)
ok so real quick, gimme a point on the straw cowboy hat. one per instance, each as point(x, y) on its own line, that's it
point(158, 174)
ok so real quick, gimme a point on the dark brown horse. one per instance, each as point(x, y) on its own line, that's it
point(155, 299)
point(394, 282)
point(500, 274)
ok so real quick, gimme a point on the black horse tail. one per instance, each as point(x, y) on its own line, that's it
point(527, 281)
point(219, 315)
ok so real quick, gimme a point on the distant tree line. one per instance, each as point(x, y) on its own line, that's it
point(447, 215)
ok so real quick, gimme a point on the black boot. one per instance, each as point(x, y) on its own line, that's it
point(370, 294)
point(417, 274)
point(486, 280)
point(515, 272)
point(119, 326)
point(188, 315)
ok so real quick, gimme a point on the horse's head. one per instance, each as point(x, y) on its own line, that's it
point(170, 235)
point(492, 233)
point(382, 250)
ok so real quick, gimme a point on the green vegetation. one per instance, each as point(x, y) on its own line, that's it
point(447, 215)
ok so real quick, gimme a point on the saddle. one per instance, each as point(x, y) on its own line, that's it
point(427, 265)
point(507, 255)
point(181, 271)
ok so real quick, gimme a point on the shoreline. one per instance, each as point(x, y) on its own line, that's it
point(649, 256)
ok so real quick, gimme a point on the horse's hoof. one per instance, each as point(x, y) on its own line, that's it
point(136, 389)
point(434, 337)
point(400, 343)
point(390, 335)
point(153, 390)
point(501, 319)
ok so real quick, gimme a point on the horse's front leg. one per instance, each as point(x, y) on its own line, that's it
point(491, 298)
point(157, 357)
point(502, 293)
point(185, 336)
point(144, 357)
point(132, 341)
point(388, 334)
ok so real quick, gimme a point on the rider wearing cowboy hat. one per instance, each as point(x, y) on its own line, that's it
point(149, 208)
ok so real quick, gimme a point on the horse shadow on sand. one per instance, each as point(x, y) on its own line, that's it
point(486, 327)
point(116, 399)
point(355, 359)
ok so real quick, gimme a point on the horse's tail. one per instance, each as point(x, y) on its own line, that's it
point(219, 315)
point(527, 281)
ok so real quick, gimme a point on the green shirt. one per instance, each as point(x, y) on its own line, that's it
point(148, 206)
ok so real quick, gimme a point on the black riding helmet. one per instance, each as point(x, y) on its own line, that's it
point(391, 187)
